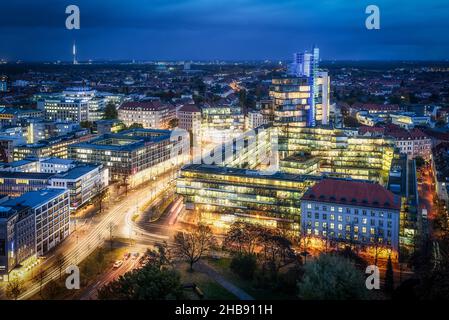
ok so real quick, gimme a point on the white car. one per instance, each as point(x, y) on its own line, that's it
point(118, 264)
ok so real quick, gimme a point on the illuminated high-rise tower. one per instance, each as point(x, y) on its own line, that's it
point(74, 53)
point(305, 65)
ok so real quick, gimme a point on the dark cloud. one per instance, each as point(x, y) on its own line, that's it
point(218, 29)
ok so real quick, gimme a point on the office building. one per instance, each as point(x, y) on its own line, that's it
point(189, 117)
point(17, 237)
point(83, 181)
point(351, 212)
point(52, 147)
point(222, 195)
point(50, 208)
point(255, 119)
point(221, 122)
point(150, 114)
point(17, 183)
point(13, 116)
point(291, 98)
point(40, 129)
point(132, 156)
point(74, 104)
point(65, 109)
point(342, 153)
point(7, 145)
point(316, 108)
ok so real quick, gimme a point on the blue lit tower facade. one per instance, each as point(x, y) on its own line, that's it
point(305, 65)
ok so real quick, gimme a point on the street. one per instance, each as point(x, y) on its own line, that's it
point(90, 235)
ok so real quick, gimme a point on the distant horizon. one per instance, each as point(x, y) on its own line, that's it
point(155, 61)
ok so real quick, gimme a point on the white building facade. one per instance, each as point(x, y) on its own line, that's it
point(347, 211)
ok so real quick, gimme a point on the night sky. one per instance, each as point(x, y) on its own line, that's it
point(35, 30)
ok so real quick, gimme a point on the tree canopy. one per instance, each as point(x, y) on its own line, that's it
point(110, 112)
point(331, 277)
point(149, 283)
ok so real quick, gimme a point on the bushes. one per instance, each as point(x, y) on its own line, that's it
point(244, 265)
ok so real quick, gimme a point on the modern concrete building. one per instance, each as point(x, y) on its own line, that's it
point(83, 181)
point(18, 183)
point(222, 195)
point(132, 156)
point(17, 237)
point(342, 153)
point(50, 207)
point(52, 147)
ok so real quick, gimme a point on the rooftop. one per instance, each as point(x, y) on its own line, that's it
point(25, 175)
point(145, 106)
point(34, 198)
point(355, 193)
point(125, 141)
point(58, 161)
point(213, 169)
point(76, 172)
point(190, 108)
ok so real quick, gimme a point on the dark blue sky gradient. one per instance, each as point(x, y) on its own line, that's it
point(224, 29)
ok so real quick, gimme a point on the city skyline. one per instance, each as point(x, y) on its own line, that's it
point(197, 30)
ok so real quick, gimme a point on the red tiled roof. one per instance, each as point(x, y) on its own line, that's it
point(403, 134)
point(146, 105)
point(365, 129)
point(378, 107)
point(189, 108)
point(355, 193)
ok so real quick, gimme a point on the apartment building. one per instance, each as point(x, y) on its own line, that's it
point(150, 114)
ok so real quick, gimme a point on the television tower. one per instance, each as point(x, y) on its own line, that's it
point(74, 53)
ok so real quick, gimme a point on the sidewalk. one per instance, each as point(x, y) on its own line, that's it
point(211, 272)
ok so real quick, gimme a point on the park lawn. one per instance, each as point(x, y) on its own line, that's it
point(90, 270)
point(222, 266)
point(210, 288)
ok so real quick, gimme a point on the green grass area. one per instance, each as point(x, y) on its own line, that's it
point(91, 268)
point(222, 266)
point(211, 289)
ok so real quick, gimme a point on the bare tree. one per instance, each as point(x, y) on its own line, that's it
point(14, 288)
point(60, 261)
point(101, 193)
point(243, 237)
point(192, 246)
point(304, 243)
point(277, 252)
point(162, 255)
point(378, 245)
